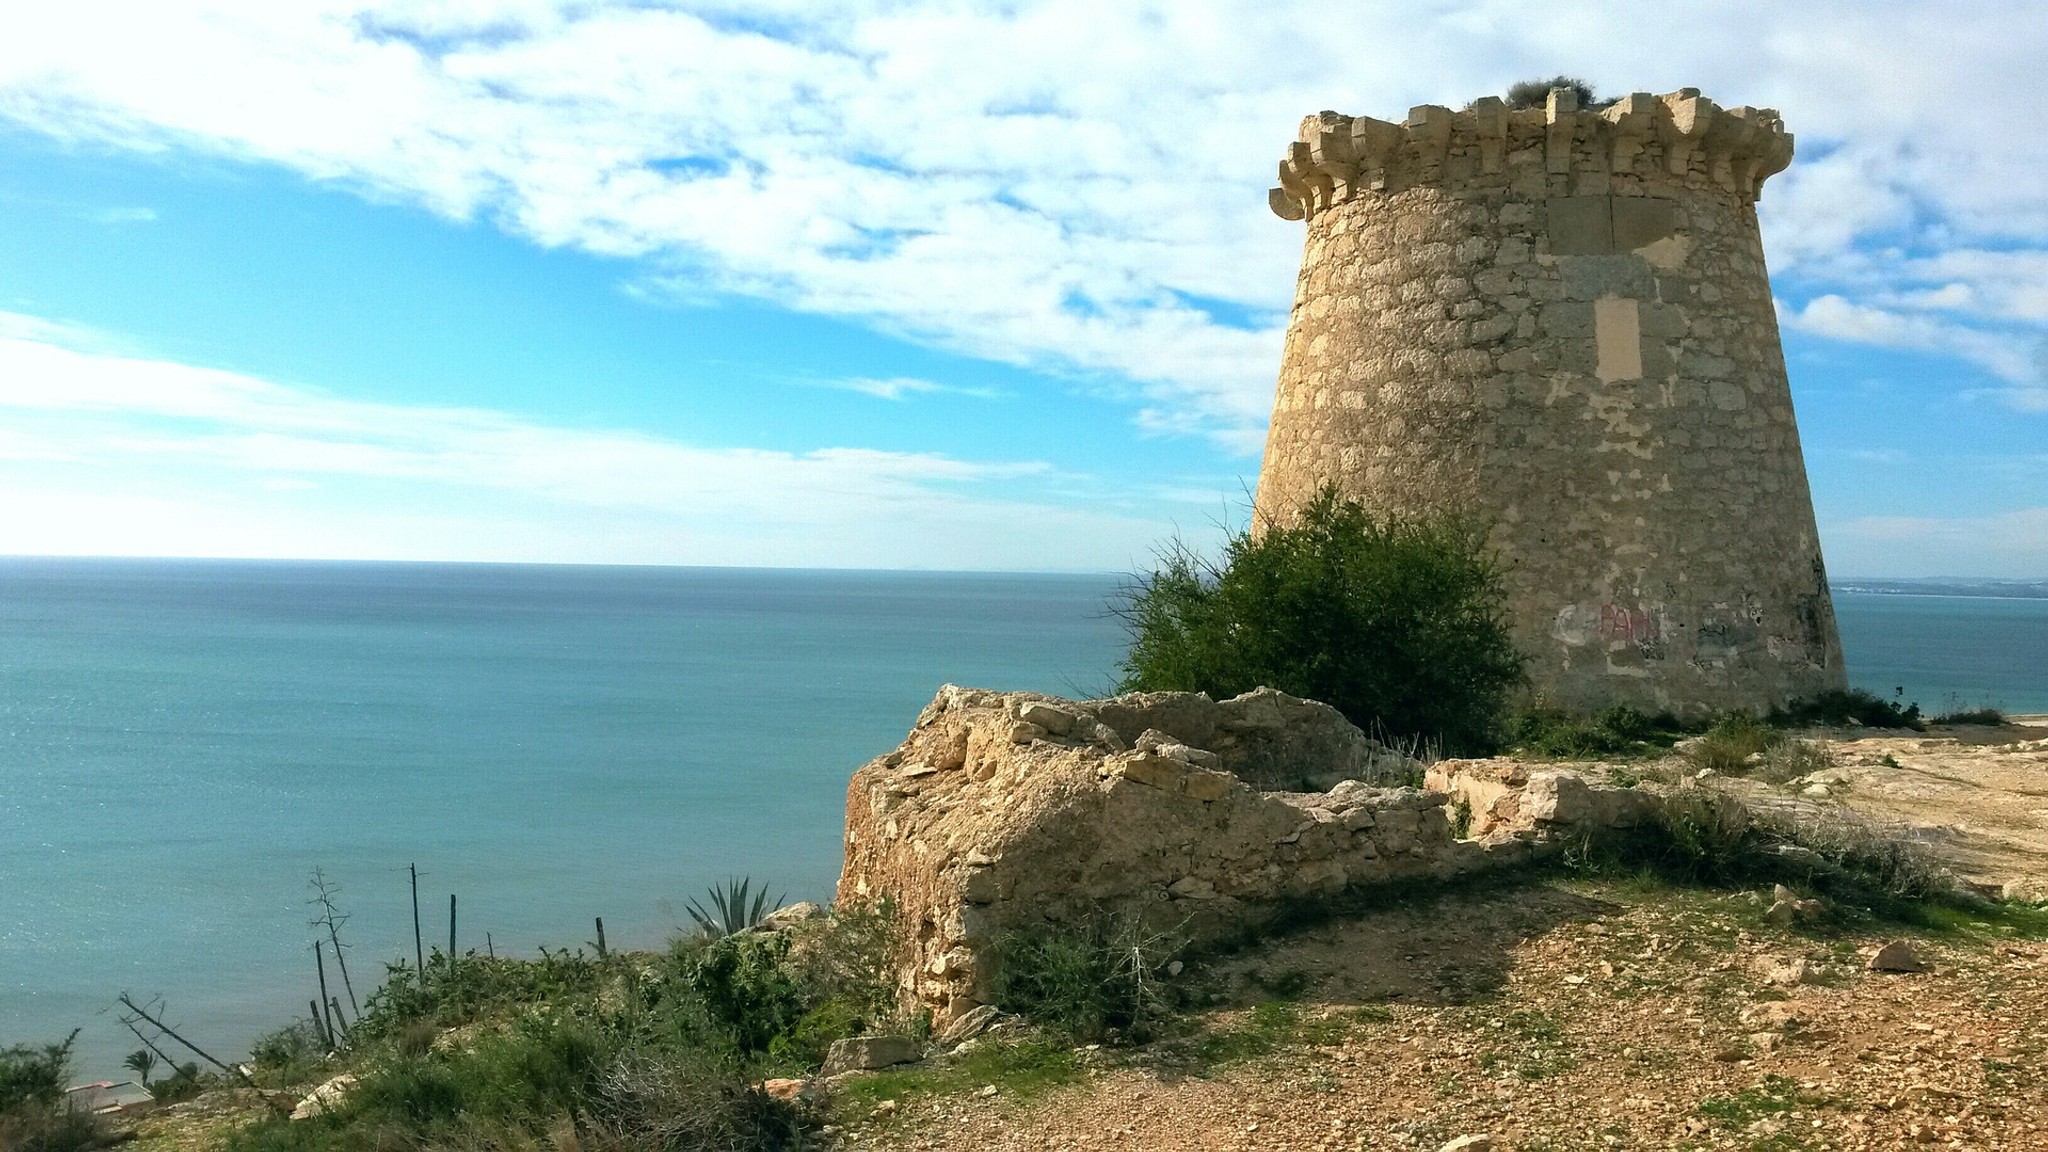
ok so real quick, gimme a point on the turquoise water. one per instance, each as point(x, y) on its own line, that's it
point(1947, 651)
point(182, 742)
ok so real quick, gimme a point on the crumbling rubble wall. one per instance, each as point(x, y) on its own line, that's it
point(1511, 796)
point(1013, 811)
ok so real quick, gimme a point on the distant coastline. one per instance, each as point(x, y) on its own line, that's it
point(1980, 589)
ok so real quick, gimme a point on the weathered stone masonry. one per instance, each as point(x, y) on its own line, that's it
point(1015, 812)
point(1559, 319)
point(1006, 812)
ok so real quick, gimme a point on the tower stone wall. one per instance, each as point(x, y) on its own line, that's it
point(1558, 319)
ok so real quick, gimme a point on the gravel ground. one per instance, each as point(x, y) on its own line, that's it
point(1574, 1016)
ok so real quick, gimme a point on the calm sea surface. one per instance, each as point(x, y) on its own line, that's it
point(182, 742)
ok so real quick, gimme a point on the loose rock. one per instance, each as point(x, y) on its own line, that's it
point(969, 1025)
point(868, 1053)
point(326, 1096)
point(1898, 956)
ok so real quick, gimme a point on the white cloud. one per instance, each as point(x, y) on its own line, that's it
point(1056, 184)
point(110, 453)
point(1836, 318)
point(124, 216)
point(904, 387)
point(2010, 544)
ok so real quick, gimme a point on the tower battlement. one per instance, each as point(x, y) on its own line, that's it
point(1558, 320)
point(1681, 138)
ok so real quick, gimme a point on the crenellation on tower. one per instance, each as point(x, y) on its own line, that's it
point(1630, 146)
point(1558, 318)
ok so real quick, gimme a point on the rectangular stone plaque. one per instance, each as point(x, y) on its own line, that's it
point(1581, 226)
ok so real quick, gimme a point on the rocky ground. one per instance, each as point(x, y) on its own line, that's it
point(1976, 796)
point(1569, 1016)
point(1610, 1015)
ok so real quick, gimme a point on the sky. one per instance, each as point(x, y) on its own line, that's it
point(892, 285)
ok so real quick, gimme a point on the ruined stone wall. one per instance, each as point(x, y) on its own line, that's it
point(1559, 319)
point(1015, 812)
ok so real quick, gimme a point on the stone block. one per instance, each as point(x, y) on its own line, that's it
point(1148, 768)
point(1057, 721)
point(1662, 321)
point(1581, 226)
point(1205, 784)
point(980, 886)
point(1187, 754)
point(868, 1053)
point(968, 1025)
point(1491, 328)
point(1591, 277)
point(1188, 717)
point(1640, 221)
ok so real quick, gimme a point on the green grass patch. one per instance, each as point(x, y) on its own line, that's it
point(1534, 1046)
point(1019, 1069)
point(1273, 1026)
point(1776, 1096)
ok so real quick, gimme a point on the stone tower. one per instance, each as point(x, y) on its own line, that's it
point(1558, 319)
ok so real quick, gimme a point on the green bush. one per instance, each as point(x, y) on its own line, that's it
point(520, 1078)
point(846, 961)
point(1702, 838)
point(1790, 759)
point(1101, 981)
point(1728, 746)
point(49, 1129)
point(470, 988)
point(33, 1115)
point(184, 1082)
point(1619, 731)
point(1854, 706)
point(1536, 93)
point(1990, 716)
point(290, 1055)
point(689, 1100)
point(633, 1051)
point(1399, 624)
point(33, 1075)
point(747, 990)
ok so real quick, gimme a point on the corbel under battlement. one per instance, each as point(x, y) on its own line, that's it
point(1681, 138)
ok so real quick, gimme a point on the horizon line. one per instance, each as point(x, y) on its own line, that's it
point(1841, 582)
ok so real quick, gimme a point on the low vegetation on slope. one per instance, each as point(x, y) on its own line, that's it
point(661, 1051)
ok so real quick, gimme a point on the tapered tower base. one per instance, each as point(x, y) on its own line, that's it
point(1559, 320)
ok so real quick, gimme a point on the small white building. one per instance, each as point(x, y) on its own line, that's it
point(108, 1097)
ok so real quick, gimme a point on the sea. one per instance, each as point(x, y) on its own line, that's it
point(183, 742)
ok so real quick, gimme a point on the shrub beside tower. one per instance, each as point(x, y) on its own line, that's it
point(1557, 319)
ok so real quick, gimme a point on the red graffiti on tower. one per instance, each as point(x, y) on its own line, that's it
point(1631, 625)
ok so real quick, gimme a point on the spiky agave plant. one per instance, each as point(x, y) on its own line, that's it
point(735, 907)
